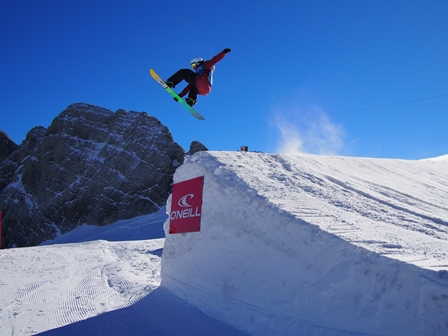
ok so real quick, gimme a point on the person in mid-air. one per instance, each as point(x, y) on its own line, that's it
point(200, 80)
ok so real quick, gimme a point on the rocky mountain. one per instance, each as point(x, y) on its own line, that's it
point(7, 146)
point(90, 165)
point(195, 147)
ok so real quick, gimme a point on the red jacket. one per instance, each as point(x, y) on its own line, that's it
point(204, 78)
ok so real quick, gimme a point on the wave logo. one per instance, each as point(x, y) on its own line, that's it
point(183, 201)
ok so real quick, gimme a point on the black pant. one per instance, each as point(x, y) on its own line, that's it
point(187, 75)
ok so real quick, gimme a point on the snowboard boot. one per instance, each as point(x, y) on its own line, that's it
point(190, 101)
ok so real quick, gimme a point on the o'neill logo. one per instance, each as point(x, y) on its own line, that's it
point(186, 206)
point(183, 201)
point(188, 210)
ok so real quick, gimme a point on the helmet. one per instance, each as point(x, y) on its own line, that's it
point(195, 62)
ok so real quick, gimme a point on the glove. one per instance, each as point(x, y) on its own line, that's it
point(175, 99)
point(226, 50)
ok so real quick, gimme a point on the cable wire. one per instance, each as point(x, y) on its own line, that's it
point(331, 113)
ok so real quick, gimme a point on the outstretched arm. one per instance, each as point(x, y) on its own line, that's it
point(210, 63)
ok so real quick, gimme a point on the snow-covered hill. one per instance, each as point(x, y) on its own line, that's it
point(315, 245)
point(289, 245)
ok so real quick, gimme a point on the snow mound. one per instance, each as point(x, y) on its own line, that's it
point(313, 245)
point(138, 228)
point(438, 158)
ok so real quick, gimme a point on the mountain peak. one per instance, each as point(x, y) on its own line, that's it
point(92, 166)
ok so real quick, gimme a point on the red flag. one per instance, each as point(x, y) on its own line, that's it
point(186, 206)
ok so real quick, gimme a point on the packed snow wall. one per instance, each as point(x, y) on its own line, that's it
point(271, 271)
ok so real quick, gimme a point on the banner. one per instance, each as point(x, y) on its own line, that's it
point(186, 206)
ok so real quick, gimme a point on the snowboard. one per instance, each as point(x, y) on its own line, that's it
point(175, 95)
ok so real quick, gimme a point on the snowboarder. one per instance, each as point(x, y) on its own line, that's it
point(200, 80)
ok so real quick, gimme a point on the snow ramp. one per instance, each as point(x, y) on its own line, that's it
point(315, 245)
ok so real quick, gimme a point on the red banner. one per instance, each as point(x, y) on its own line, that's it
point(186, 206)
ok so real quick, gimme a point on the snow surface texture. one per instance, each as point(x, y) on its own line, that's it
point(315, 245)
point(289, 245)
point(91, 288)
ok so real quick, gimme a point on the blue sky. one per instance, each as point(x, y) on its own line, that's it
point(348, 77)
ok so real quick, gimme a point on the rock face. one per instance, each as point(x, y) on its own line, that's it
point(90, 166)
point(195, 147)
point(7, 146)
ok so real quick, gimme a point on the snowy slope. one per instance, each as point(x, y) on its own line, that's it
point(301, 245)
point(289, 245)
point(96, 287)
point(438, 158)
